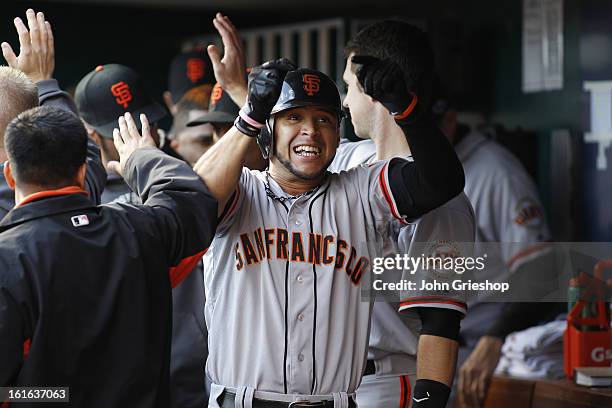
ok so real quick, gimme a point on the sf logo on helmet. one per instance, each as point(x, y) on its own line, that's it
point(195, 69)
point(311, 83)
point(216, 94)
point(121, 92)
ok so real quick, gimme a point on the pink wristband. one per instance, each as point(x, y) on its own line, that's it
point(250, 121)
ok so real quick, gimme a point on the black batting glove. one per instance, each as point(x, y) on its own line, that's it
point(385, 82)
point(264, 88)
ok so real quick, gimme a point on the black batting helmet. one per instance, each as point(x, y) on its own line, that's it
point(302, 87)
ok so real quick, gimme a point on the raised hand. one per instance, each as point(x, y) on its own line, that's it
point(36, 47)
point(127, 139)
point(230, 71)
point(265, 83)
point(385, 82)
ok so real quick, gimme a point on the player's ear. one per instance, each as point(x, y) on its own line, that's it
point(81, 174)
point(8, 175)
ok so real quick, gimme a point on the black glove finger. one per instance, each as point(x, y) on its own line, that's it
point(361, 75)
point(369, 84)
point(282, 64)
point(392, 81)
point(364, 60)
point(378, 82)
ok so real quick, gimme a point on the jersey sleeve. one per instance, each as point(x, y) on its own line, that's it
point(446, 232)
point(234, 204)
point(176, 200)
point(372, 184)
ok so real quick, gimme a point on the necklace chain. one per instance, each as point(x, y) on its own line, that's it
point(271, 194)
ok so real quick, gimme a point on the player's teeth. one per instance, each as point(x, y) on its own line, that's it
point(305, 150)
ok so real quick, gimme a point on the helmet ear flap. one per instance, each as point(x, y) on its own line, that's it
point(265, 140)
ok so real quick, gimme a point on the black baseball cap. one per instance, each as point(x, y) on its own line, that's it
point(222, 109)
point(110, 91)
point(189, 70)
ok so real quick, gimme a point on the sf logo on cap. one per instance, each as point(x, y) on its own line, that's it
point(216, 94)
point(121, 92)
point(311, 83)
point(195, 69)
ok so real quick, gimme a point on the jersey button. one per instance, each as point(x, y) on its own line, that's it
point(300, 357)
point(300, 317)
point(298, 222)
point(300, 278)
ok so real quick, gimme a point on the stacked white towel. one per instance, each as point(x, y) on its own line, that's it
point(536, 352)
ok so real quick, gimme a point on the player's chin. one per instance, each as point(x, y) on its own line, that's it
point(310, 169)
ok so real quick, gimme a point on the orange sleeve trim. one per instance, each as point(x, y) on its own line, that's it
point(428, 300)
point(383, 186)
point(52, 193)
point(184, 268)
point(408, 110)
point(405, 392)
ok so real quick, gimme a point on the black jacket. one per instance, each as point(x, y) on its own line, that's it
point(94, 301)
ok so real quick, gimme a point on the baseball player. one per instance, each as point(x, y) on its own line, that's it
point(84, 289)
point(301, 240)
point(26, 83)
point(392, 367)
point(508, 210)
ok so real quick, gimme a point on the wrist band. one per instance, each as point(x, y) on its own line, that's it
point(245, 128)
point(408, 110)
point(430, 394)
point(249, 120)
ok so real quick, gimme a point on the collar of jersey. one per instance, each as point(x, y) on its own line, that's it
point(280, 193)
point(50, 205)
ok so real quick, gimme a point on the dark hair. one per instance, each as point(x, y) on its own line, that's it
point(406, 45)
point(46, 146)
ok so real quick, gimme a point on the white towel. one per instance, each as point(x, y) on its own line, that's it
point(536, 352)
point(537, 339)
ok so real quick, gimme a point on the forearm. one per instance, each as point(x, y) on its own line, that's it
point(238, 94)
point(437, 358)
point(220, 167)
point(184, 210)
point(435, 176)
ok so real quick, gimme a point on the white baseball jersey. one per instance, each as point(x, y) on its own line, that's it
point(285, 308)
point(508, 210)
point(451, 227)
